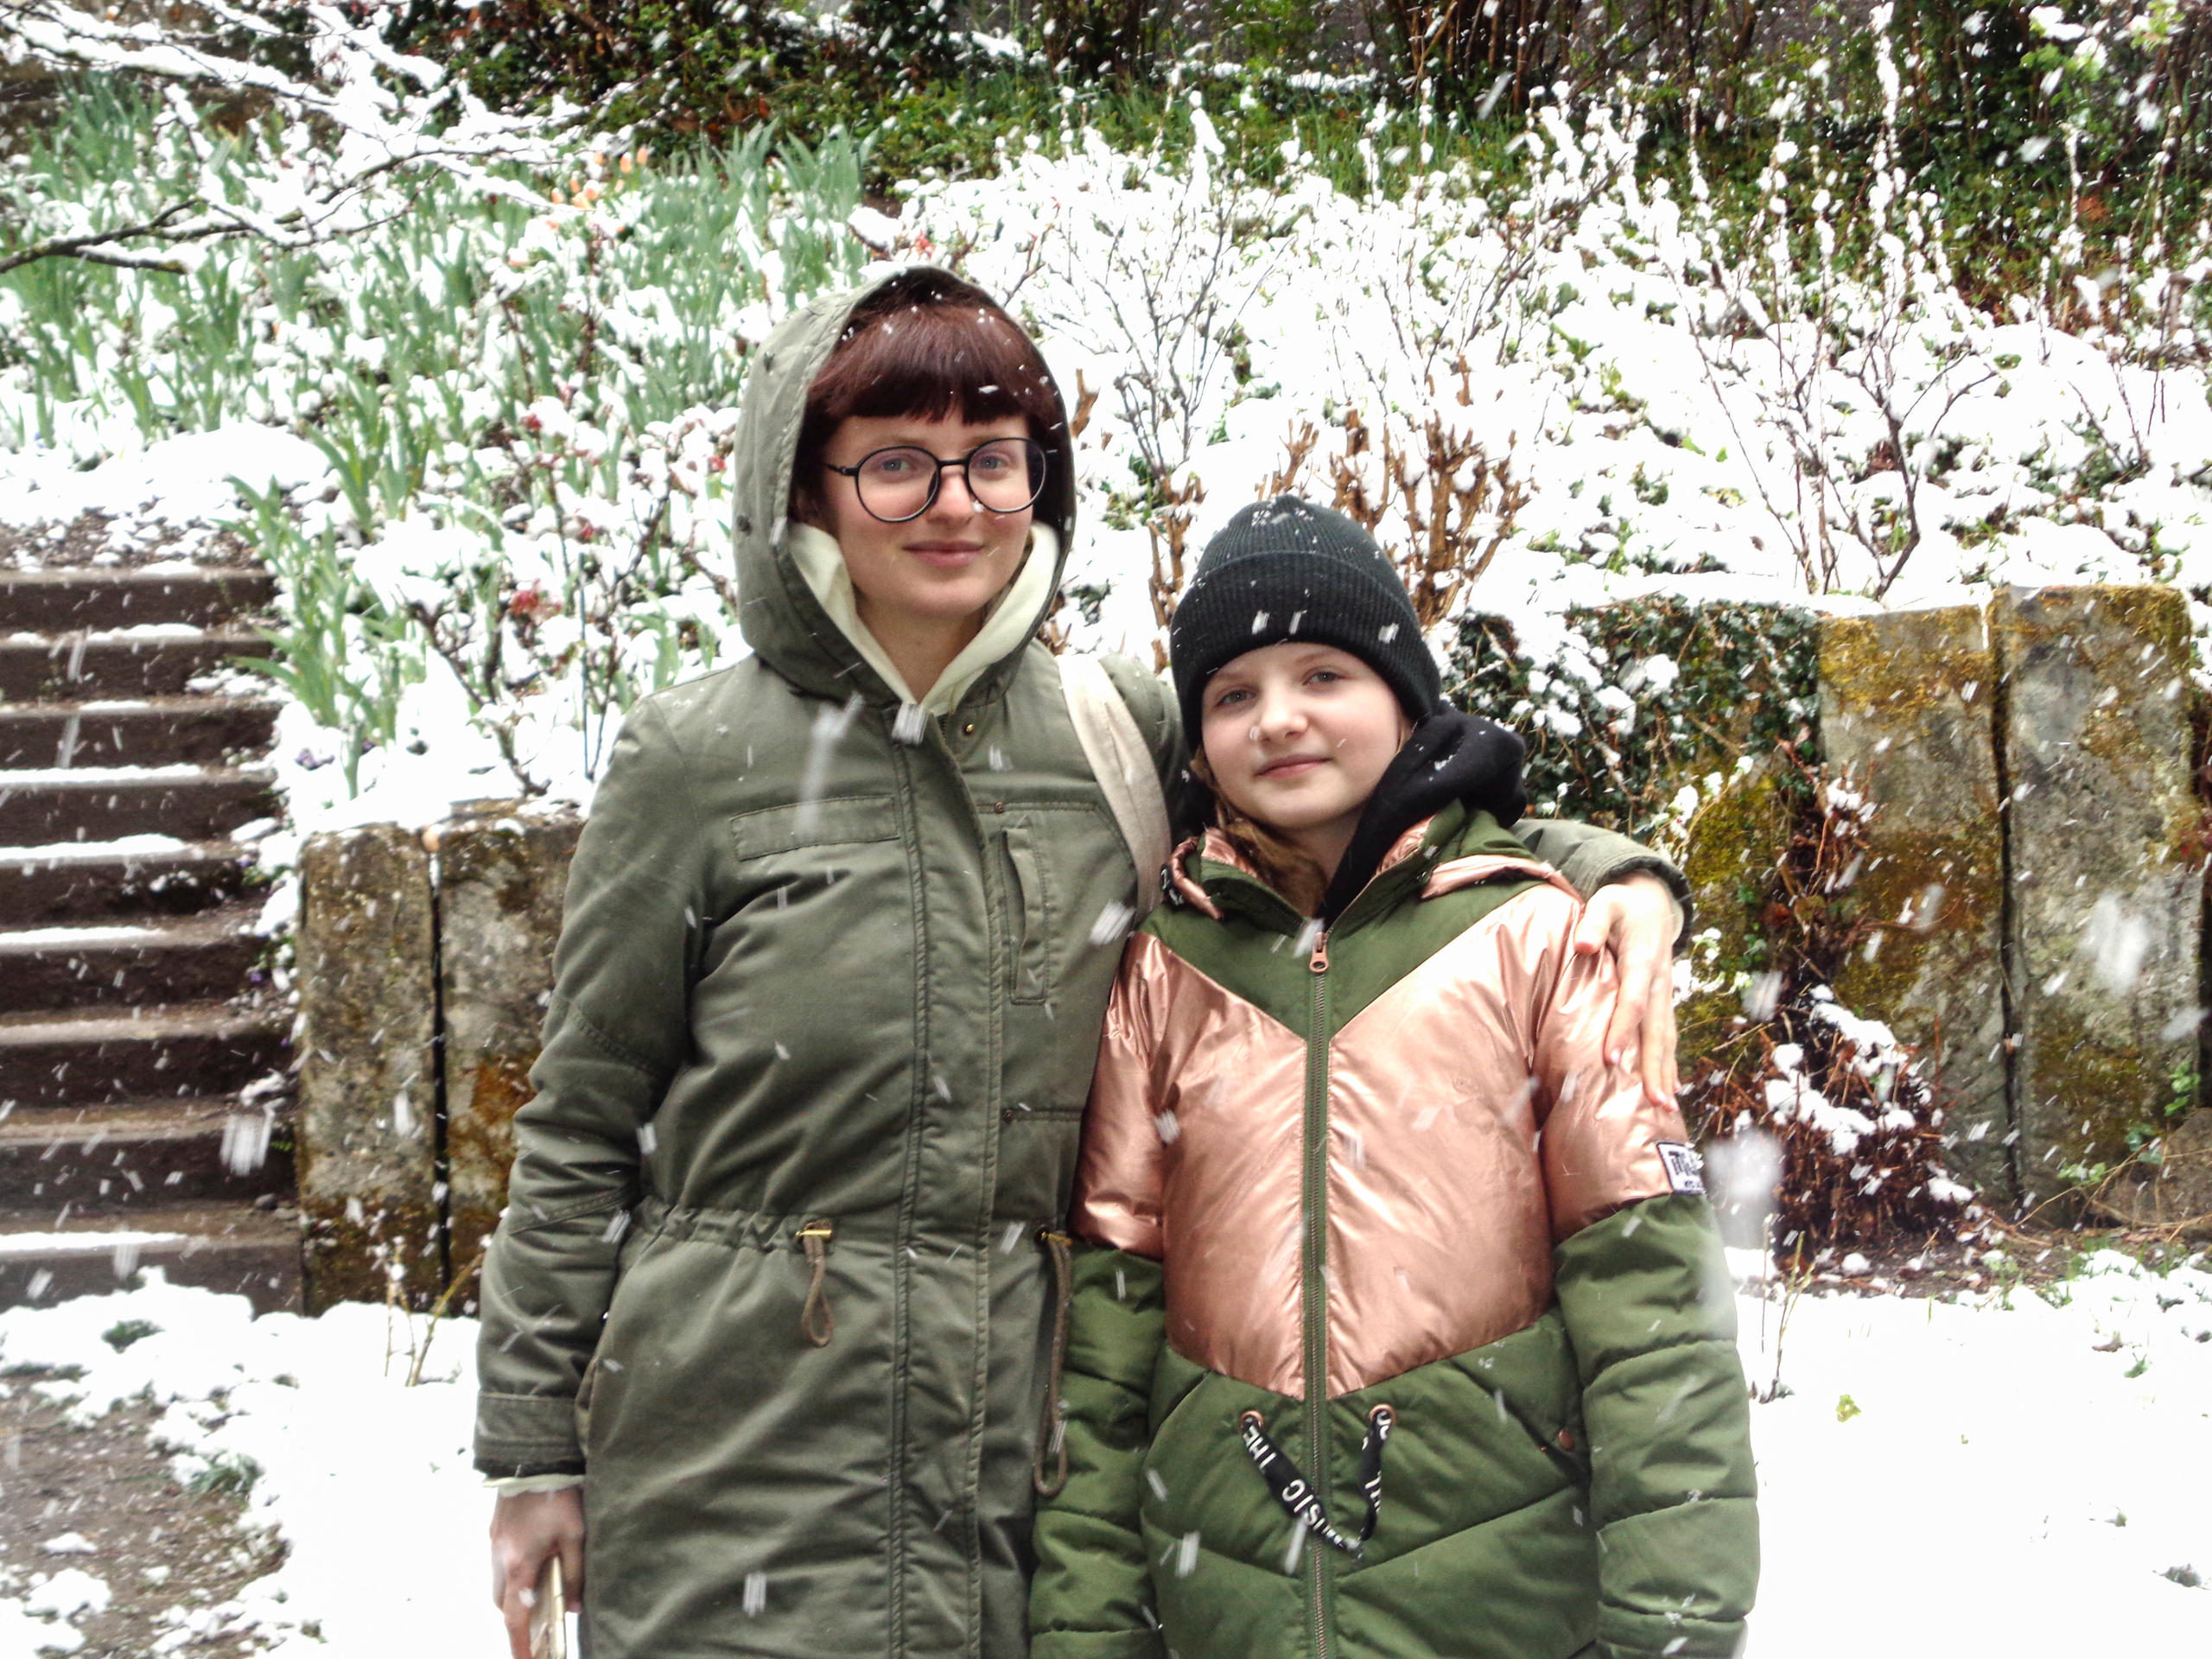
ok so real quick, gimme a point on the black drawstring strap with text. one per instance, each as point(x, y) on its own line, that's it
point(1296, 1494)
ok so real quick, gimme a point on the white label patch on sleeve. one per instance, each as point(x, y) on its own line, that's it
point(1684, 1169)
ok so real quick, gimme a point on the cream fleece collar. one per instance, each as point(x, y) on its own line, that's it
point(1007, 626)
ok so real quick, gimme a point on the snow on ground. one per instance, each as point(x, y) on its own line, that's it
point(2020, 1472)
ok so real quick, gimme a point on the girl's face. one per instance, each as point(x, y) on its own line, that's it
point(1297, 736)
point(945, 567)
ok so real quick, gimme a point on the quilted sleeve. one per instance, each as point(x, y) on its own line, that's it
point(1645, 1295)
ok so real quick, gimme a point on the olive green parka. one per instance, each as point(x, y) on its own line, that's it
point(827, 998)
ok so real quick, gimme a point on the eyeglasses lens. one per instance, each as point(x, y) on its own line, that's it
point(1005, 476)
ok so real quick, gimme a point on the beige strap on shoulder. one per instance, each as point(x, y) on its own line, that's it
point(1123, 766)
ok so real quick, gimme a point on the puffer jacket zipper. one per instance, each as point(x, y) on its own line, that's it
point(1314, 1294)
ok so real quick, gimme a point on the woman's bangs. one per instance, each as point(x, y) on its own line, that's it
point(938, 360)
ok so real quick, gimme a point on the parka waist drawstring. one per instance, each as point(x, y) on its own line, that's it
point(1052, 1433)
point(816, 1322)
point(1296, 1494)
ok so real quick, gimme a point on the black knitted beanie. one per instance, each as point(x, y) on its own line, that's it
point(1287, 569)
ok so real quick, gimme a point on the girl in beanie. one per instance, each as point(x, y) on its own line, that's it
point(1399, 1324)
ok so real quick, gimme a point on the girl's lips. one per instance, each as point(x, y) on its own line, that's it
point(1296, 766)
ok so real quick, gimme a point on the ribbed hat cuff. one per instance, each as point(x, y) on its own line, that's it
point(1272, 598)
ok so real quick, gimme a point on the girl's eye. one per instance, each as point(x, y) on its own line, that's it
point(1231, 696)
point(1325, 675)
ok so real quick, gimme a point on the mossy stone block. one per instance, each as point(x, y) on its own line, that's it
point(2107, 884)
point(1909, 703)
point(1735, 841)
point(503, 875)
point(367, 1045)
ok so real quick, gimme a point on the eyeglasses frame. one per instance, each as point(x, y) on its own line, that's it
point(937, 479)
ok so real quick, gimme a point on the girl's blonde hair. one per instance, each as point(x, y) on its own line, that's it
point(1290, 871)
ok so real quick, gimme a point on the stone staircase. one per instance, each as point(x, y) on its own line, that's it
point(143, 1117)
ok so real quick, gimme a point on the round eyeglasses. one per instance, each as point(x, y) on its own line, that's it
point(901, 483)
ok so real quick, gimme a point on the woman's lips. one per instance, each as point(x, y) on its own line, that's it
point(947, 555)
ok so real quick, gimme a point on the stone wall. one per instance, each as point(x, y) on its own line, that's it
point(501, 881)
point(367, 1042)
point(2032, 888)
point(2107, 848)
point(1909, 703)
point(425, 962)
point(2037, 860)
point(2034, 872)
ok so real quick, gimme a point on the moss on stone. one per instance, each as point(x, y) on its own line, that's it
point(2158, 615)
point(1735, 841)
point(1861, 665)
point(1888, 984)
point(2080, 1092)
point(350, 1260)
point(481, 1148)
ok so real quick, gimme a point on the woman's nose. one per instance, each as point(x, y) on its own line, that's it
point(949, 505)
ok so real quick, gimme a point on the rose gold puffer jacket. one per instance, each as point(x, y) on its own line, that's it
point(1386, 1172)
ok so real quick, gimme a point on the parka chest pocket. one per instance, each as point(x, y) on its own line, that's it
point(1031, 887)
point(1066, 873)
point(773, 831)
point(820, 893)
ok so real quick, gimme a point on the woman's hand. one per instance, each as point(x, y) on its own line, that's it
point(527, 1527)
point(1636, 919)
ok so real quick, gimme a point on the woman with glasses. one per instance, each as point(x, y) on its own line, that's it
point(768, 1326)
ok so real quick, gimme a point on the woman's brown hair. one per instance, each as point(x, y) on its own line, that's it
point(924, 343)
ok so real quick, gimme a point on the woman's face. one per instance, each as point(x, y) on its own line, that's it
point(1298, 735)
point(945, 567)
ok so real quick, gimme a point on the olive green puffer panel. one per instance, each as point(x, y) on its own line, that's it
point(1584, 1481)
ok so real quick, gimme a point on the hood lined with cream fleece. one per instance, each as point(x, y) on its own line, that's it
point(794, 605)
point(1008, 623)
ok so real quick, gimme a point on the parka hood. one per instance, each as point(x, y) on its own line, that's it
point(779, 612)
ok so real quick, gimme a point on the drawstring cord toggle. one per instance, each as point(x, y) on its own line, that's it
point(1052, 1431)
point(816, 1322)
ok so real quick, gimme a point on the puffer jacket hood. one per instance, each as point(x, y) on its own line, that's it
point(779, 612)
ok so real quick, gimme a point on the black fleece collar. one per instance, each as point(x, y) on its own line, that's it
point(1449, 757)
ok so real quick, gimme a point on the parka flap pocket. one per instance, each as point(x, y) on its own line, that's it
point(1033, 897)
point(772, 830)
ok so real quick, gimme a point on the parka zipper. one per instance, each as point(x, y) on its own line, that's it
point(1314, 1296)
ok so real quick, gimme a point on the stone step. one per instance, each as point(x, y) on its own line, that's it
point(237, 1248)
point(145, 875)
point(153, 662)
point(57, 601)
point(97, 1055)
point(98, 1159)
point(155, 732)
point(204, 958)
point(104, 803)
